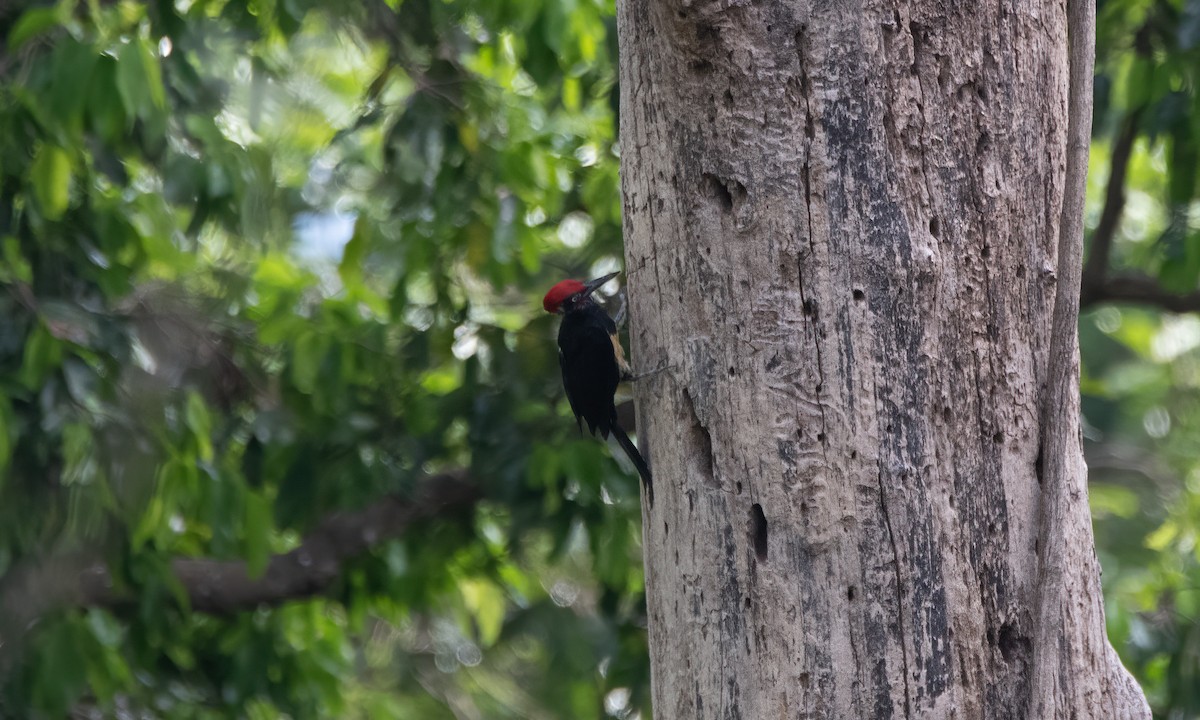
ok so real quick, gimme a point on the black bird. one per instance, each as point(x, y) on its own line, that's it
point(593, 363)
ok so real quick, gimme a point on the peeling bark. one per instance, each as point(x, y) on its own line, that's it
point(843, 237)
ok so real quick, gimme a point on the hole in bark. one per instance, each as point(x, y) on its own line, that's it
point(820, 437)
point(732, 372)
point(700, 66)
point(728, 98)
point(1013, 645)
point(804, 679)
point(998, 437)
point(666, 529)
point(981, 91)
point(809, 308)
point(819, 388)
point(718, 191)
point(947, 413)
point(987, 251)
point(803, 507)
point(934, 227)
point(850, 592)
point(707, 34)
point(739, 487)
point(853, 454)
point(747, 603)
point(758, 531)
point(1020, 271)
point(859, 294)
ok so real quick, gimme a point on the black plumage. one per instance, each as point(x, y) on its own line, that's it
point(593, 363)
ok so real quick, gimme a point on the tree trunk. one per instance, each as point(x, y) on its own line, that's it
point(843, 238)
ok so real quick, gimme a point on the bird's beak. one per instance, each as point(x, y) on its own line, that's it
point(592, 286)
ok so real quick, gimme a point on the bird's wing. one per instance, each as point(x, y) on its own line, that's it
point(618, 352)
point(562, 361)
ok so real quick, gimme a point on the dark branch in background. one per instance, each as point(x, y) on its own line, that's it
point(1098, 286)
point(222, 587)
point(1143, 290)
point(1096, 267)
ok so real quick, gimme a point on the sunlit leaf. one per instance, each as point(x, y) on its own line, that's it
point(487, 604)
point(51, 178)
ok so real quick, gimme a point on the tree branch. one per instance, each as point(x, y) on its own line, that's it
point(1096, 267)
point(1097, 285)
point(220, 587)
point(1142, 289)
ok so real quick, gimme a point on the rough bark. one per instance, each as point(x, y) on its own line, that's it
point(843, 238)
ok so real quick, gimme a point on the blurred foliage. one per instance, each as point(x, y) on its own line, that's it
point(267, 260)
point(1141, 366)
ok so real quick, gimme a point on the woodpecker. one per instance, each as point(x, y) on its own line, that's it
point(592, 362)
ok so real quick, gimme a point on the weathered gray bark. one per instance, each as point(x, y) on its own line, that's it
point(843, 236)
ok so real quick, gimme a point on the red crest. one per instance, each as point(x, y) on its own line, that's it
point(559, 293)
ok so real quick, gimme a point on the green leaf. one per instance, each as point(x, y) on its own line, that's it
point(307, 356)
point(105, 628)
point(73, 68)
point(8, 437)
point(257, 527)
point(139, 79)
point(350, 268)
point(15, 266)
point(487, 604)
point(1163, 536)
point(51, 178)
point(200, 424)
point(1115, 500)
point(33, 23)
point(106, 113)
point(43, 355)
point(62, 673)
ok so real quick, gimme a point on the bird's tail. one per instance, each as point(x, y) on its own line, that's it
point(636, 458)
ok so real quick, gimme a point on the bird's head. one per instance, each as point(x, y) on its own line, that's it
point(570, 294)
